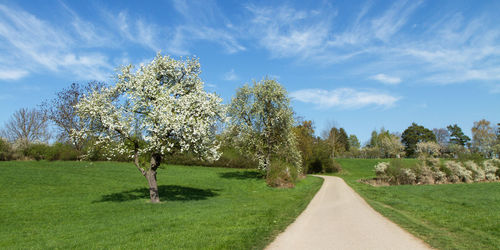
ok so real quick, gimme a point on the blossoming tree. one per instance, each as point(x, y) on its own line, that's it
point(153, 112)
point(261, 122)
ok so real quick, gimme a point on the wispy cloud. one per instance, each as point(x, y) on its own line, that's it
point(287, 32)
point(75, 45)
point(203, 21)
point(393, 19)
point(346, 98)
point(135, 30)
point(12, 74)
point(383, 78)
point(445, 49)
point(231, 76)
point(34, 45)
point(315, 36)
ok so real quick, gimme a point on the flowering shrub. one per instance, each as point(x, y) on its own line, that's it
point(407, 176)
point(428, 149)
point(491, 168)
point(477, 172)
point(459, 173)
point(380, 168)
point(431, 171)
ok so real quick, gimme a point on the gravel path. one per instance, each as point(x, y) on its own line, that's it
point(338, 218)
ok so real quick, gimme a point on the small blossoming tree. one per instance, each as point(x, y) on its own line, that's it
point(261, 122)
point(152, 112)
point(430, 148)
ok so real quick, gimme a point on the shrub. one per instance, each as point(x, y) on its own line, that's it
point(477, 172)
point(492, 169)
point(439, 176)
point(406, 176)
point(432, 171)
point(475, 157)
point(63, 152)
point(6, 151)
point(437, 171)
point(37, 151)
point(458, 172)
point(380, 168)
point(323, 165)
point(395, 172)
point(428, 149)
point(281, 174)
point(315, 166)
point(370, 152)
point(331, 166)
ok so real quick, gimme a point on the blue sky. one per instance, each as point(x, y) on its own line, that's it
point(361, 65)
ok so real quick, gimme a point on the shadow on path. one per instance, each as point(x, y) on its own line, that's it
point(167, 193)
point(241, 175)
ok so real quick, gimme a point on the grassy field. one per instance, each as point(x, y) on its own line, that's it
point(449, 216)
point(106, 205)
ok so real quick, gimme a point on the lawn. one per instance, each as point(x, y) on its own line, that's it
point(106, 205)
point(448, 216)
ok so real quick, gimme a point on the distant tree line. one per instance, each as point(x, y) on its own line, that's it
point(261, 133)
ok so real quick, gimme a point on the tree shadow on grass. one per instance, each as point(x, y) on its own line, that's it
point(242, 175)
point(167, 193)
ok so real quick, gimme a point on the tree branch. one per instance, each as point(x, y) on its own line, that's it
point(136, 160)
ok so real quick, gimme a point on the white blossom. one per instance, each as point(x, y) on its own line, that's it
point(157, 109)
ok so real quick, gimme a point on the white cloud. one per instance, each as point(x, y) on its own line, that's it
point(12, 74)
point(34, 45)
point(347, 98)
point(447, 49)
point(393, 19)
point(383, 78)
point(136, 30)
point(313, 35)
point(287, 32)
point(203, 21)
point(231, 76)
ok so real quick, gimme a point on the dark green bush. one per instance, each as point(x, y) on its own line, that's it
point(281, 174)
point(475, 157)
point(37, 151)
point(315, 166)
point(331, 166)
point(62, 152)
point(6, 152)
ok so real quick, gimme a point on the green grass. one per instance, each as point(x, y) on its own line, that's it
point(449, 216)
point(106, 205)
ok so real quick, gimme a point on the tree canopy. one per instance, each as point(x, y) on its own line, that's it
point(27, 126)
point(261, 121)
point(415, 134)
point(484, 137)
point(457, 136)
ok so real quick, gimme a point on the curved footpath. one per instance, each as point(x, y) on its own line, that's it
point(338, 218)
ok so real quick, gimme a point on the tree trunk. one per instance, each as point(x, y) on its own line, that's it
point(151, 177)
point(267, 162)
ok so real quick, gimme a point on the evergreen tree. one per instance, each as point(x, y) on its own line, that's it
point(457, 136)
point(354, 142)
point(343, 141)
point(415, 134)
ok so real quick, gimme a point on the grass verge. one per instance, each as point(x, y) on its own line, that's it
point(106, 205)
point(447, 216)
